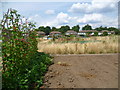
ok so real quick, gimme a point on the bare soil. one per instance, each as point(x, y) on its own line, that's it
point(83, 71)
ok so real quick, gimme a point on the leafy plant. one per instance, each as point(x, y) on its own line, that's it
point(23, 66)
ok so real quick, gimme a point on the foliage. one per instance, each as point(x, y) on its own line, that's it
point(105, 33)
point(54, 29)
point(63, 29)
point(23, 66)
point(101, 28)
point(95, 33)
point(46, 29)
point(87, 27)
point(76, 28)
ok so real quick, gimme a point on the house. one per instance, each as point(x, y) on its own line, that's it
point(92, 32)
point(40, 33)
point(109, 32)
point(112, 32)
point(85, 32)
point(55, 33)
point(71, 32)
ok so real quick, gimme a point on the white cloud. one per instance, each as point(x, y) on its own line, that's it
point(96, 6)
point(35, 18)
point(97, 20)
point(94, 19)
point(91, 18)
point(60, 19)
point(50, 12)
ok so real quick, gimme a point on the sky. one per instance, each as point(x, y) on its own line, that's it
point(94, 12)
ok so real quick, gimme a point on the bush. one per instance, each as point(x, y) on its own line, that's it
point(96, 34)
point(105, 33)
point(23, 66)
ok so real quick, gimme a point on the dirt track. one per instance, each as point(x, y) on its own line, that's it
point(83, 71)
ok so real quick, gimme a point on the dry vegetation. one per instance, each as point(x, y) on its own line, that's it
point(107, 44)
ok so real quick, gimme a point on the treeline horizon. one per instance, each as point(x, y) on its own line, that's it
point(63, 29)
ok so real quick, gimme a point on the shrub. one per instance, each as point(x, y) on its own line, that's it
point(105, 33)
point(23, 66)
point(96, 34)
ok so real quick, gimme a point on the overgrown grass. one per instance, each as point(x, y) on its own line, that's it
point(108, 44)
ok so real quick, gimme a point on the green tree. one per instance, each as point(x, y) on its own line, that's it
point(105, 33)
point(87, 27)
point(76, 28)
point(63, 29)
point(101, 28)
point(54, 29)
point(41, 28)
point(47, 30)
point(95, 33)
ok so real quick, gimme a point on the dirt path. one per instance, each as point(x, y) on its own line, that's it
point(83, 71)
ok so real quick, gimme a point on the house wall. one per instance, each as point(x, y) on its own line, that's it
point(70, 34)
point(92, 33)
point(100, 33)
point(81, 33)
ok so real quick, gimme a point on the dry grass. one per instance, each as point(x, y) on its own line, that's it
point(108, 44)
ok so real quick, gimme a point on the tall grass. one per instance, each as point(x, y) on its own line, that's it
point(108, 44)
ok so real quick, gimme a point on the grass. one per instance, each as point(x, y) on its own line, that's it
point(91, 45)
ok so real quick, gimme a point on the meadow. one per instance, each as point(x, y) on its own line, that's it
point(80, 45)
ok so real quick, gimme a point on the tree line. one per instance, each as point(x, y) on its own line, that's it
point(76, 28)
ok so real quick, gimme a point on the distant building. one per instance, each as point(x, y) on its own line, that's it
point(71, 32)
point(55, 33)
point(40, 33)
point(84, 32)
point(92, 32)
point(109, 32)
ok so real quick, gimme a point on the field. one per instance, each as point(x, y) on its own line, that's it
point(83, 71)
point(80, 45)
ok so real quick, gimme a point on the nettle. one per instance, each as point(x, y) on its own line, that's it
point(19, 46)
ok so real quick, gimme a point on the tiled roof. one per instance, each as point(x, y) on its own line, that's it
point(54, 32)
point(41, 32)
point(71, 31)
point(87, 31)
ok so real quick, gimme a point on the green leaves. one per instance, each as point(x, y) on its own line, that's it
point(22, 64)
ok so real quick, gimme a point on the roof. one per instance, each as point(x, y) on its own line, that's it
point(112, 31)
point(41, 32)
point(71, 31)
point(83, 31)
point(55, 32)
point(105, 31)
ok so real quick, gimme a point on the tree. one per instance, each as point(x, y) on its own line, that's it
point(87, 27)
point(63, 29)
point(76, 28)
point(95, 33)
point(47, 30)
point(105, 33)
point(54, 29)
point(101, 28)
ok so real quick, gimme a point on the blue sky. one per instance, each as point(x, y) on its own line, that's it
point(96, 13)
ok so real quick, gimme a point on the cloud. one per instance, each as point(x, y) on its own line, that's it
point(97, 20)
point(94, 19)
point(35, 18)
point(91, 18)
point(49, 12)
point(60, 19)
point(96, 6)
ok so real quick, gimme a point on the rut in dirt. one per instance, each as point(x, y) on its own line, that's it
point(83, 71)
